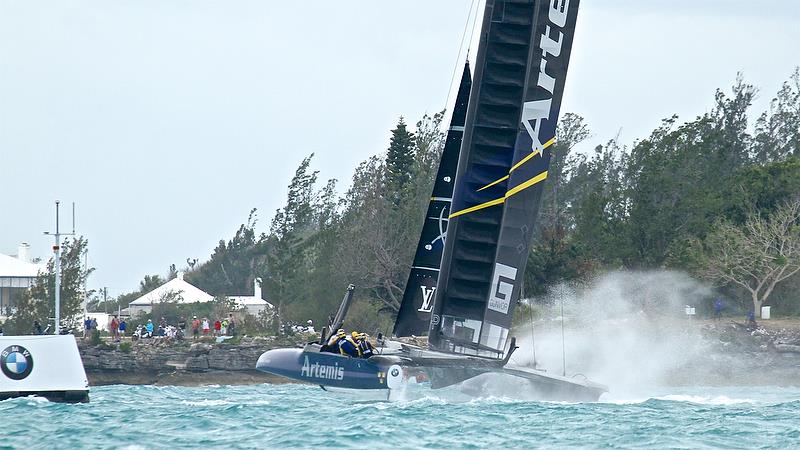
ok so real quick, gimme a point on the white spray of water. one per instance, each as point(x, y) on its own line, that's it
point(627, 330)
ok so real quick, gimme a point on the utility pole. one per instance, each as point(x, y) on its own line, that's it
point(57, 264)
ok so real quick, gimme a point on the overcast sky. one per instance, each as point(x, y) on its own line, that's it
point(167, 121)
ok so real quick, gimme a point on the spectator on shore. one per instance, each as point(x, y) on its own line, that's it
point(94, 324)
point(751, 320)
point(149, 327)
point(114, 328)
point(718, 309)
point(122, 327)
point(195, 327)
point(37, 327)
point(224, 328)
point(206, 326)
point(87, 328)
point(231, 325)
point(217, 327)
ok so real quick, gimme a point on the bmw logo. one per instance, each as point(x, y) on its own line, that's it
point(16, 362)
point(395, 372)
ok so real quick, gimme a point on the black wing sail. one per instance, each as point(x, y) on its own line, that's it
point(513, 110)
point(414, 316)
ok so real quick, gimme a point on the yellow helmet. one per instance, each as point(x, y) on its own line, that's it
point(355, 334)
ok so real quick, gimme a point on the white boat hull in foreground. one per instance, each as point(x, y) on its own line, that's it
point(45, 366)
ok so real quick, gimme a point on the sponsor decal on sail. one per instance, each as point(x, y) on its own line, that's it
point(550, 44)
point(427, 298)
point(502, 287)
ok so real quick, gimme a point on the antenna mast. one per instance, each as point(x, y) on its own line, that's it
point(57, 264)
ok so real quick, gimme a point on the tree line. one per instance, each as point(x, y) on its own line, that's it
point(716, 196)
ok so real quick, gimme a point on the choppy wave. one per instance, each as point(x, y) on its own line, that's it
point(297, 416)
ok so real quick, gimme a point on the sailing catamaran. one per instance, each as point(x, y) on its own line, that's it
point(462, 289)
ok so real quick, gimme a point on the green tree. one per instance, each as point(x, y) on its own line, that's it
point(400, 161)
point(293, 226)
point(38, 303)
point(757, 255)
point(234, 264)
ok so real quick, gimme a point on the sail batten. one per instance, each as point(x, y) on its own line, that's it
point(510, 125)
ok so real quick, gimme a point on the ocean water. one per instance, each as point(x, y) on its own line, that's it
point(301, 416)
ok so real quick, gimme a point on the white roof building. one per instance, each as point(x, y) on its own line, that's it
point(252, 304)
point(180, 290)
point(177, 289)
point(16, 274)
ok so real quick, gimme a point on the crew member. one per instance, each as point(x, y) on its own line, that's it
point(333, 343)
point(347, 346)
point(365, 347)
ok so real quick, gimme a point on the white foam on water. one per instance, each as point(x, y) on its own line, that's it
point(706, 400)
point(206, 402)
point(32, 401)
point(717, 400)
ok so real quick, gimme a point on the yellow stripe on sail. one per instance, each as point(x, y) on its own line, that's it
point(493, 183)
point(515, 190)
point(496, 201)
point(537, 179)
point(533, 153)
point(521, 162)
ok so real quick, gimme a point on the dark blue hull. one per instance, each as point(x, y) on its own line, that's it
point(325, 369)
point(393, 371)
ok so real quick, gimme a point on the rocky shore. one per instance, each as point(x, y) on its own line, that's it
point(184, 363)
point(741, 355)
point(734, 355)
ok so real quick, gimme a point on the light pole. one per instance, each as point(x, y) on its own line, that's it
point(57, 264)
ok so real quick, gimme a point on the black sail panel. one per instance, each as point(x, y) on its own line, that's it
point(519, 80)
point(415, 310)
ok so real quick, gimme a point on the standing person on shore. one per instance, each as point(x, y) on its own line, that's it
point(87, 327)
point(206, 326)
point(231, 325)
point(195, 327)
point(718, 309)
point(223, 330)
point(114, 328)
point(217, 327)
point(122, 327)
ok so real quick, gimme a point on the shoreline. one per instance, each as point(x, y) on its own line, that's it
point(740, 357)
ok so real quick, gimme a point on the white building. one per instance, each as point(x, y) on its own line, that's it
point(176, 289)
point(184, 292)
point(16, 275)
point(252, 304)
